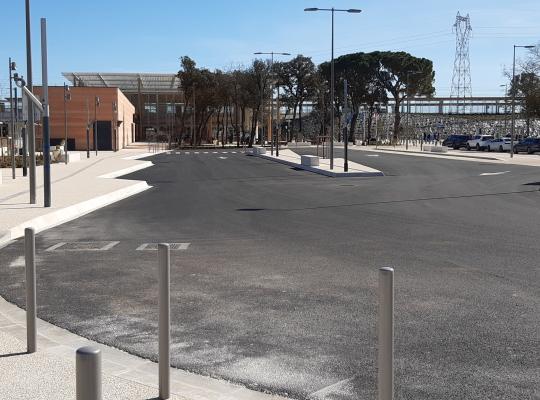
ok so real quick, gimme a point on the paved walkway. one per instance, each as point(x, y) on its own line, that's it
point(293, 159)
point(76, 189)
point(79, 188)
point(477, 156)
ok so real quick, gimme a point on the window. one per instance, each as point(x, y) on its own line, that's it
point(150, 108)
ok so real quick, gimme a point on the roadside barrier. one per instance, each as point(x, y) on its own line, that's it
point(386, 334)
point(164, 261)
point(88, 373)
point(30, 269)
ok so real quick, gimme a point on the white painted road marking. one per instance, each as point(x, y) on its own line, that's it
point(187, 152)
point(224, 152)
point(214, 152)
point(56, 246)
point(195, 152)
point(372, 155)
point(83, 246)
point(494, 173)
point(18, 262)
point(108, 246)
point(222, 158)
point(234, 152)
point(153, 246)
point(205, 152)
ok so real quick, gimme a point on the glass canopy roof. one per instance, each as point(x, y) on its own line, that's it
point(126, 82)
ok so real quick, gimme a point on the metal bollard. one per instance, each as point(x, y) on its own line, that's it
point(164, 258)
point(30, 269)
point(88, 374)
point(386, 334)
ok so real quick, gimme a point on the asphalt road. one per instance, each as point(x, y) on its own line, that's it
point(277, 288)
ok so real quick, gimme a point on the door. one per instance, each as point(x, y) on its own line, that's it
point(104, 135)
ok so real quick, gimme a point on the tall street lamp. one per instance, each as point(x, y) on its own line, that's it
point(333, 10)
point(67, 97)
point(514, 98)
point(271, 53)
point(96, 105)
point(30, 119)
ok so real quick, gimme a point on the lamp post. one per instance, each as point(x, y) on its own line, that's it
point(514, 98)
point(12, 115)
point(271, 53)
point(96, 105)
point(30, 122)
point(333, 10)
point(67, 97)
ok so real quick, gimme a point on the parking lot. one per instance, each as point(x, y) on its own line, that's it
point(274, 273)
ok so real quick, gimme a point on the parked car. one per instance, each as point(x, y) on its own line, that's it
point(456, 141)
point(479, 142)
point(530, 145)
point(500, 144)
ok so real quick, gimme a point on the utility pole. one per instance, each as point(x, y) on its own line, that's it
point(46, 132)
point(30, 125)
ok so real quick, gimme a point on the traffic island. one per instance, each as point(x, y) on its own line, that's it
point(318, 165)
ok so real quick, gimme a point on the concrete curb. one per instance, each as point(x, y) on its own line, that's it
point(125, 171)
point(70, 213)
point(321, 171)
point(432, 154)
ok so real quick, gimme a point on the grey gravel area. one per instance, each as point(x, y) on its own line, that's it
point(42, 376)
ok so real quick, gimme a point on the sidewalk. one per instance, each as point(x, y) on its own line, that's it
point(49, 374)
point(532, 160)
point(76, 189)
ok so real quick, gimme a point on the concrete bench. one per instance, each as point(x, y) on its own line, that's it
point(310, 161)
point(435, 149)
point(73, 156)
point(258, 151)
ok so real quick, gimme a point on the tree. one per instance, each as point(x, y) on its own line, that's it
point(403, 76)
point(298, 79)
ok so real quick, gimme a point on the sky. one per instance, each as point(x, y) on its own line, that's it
point(151, 36)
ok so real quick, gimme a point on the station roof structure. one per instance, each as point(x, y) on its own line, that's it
point(129, 82)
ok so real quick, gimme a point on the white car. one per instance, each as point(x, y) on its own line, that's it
point(479, 142)
point(500, 144)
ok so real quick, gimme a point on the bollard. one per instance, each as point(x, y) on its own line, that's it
point(386, 334)
point(30, 269)
point(88, 373)
point(164, 258)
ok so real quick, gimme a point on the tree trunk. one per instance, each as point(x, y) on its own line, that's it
point(397, 120)
point(254, 119)
point(300, 127)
